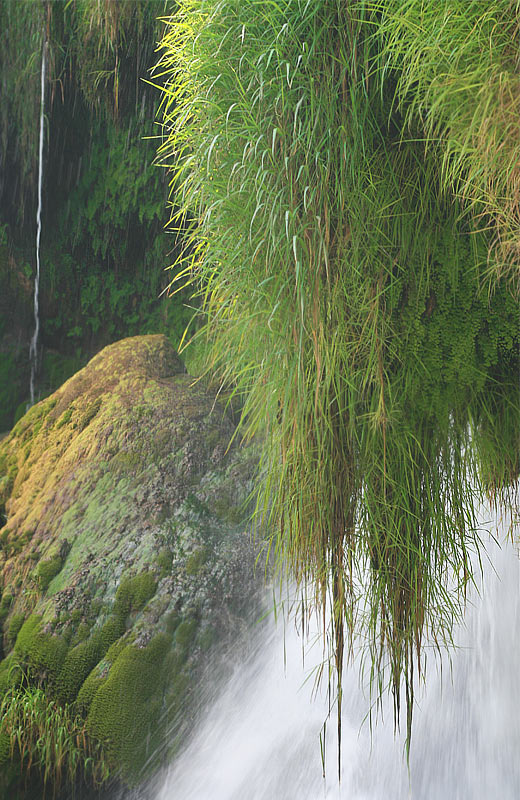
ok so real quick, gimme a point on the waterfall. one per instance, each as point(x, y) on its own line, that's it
point(33, 349)
point(260, 739)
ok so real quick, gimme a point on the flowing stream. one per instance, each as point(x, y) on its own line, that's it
point(33, 348)
point(260, 738)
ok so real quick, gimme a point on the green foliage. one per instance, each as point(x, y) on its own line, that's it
point(456, 79)
point(8, 390)
point(11, 674)
point(47, 570)
point(15, 624)
point(81, 659)
point(347, 299)
point(47, 737)
point(104, 250)
point(42, 653)
point(7, 599)
point(20, 67)
point(125, 710)
point(133, 593)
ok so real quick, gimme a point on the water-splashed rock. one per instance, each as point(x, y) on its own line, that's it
point(125, 549)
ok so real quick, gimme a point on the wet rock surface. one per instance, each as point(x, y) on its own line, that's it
point(126, 558)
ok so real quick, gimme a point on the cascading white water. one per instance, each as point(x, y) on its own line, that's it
point(33, 348)
point(260, 740)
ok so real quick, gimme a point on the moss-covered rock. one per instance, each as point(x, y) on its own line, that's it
point(48, 569)
point(15, 624)
point(42, 653)
point(124, 555)
point(126, 708)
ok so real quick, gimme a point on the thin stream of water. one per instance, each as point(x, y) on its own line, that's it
point(260, 739)
point(33, 348)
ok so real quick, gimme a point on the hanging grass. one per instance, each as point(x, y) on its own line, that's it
point(456, 67)
point(347, 303)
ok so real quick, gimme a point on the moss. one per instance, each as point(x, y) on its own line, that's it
point(196, 560)
point(126, 707)
point(82, 632)
point(110, 632)
point(65, 417)
point(133, 593)
point(83, 657)
point(47, 570)
point(90, 686)
point(89, 414)
point(127, 461)
point(228, 511)
point(185, 633)
point(43, 653)
point(10, 673)
point(78, 663)
point(8, 472)
point(15, 624)
point(173, 621)
point(165, 561)
point(30, 424)
point(196, 506)
point(75, 616)
point(5, 605)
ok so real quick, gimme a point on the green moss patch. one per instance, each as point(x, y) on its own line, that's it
point(125, 709)
point(15, 624)
point(43, 653)
point(47, 570)
point(133, 593)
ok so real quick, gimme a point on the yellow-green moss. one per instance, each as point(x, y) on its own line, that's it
point(91, 684)
point(127, 461)
point(82, 658)
point(126, 707)
point(5, 605)
point(78, 662)
point(43, 653)
point(133, 593)
point(65, 417)
point(15, 624)
point(82, 633)
point(47, 570)
point(89, 414)
point(30, 424)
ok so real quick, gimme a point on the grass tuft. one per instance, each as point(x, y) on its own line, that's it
point(346, 294)
point(50, 739)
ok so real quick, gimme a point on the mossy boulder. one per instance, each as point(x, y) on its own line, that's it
point(125, 556)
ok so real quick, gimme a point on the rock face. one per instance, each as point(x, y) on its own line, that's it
point(124, 554)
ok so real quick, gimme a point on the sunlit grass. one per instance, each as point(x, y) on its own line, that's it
point(50, 739)
point(347, 303)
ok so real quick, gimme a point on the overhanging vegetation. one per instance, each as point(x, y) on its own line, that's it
point(347, 174)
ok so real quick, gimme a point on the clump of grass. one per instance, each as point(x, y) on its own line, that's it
point(50, 739)
point(342, 293)
point(456, 72)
